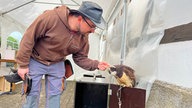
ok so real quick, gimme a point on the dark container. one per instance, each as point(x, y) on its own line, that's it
point(95, 95)
point(91, 95)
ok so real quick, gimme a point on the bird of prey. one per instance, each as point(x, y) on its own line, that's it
point(124, 75)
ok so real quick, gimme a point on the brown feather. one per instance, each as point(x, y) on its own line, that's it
point(124, 75)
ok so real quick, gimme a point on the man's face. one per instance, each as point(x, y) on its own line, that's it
point(86, 26)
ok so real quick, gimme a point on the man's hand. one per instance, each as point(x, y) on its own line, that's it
point(103, 66)
point(22, 72)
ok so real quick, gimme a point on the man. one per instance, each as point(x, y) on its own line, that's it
point(48, 40)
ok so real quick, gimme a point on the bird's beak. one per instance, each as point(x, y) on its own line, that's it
point(108, 70)
point(111, 69)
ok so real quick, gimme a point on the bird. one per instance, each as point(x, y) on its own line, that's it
point(123, 74)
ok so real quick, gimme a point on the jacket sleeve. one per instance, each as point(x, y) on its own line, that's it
point(82, 60)
point(31, 35)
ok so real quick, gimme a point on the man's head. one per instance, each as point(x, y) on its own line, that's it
point(91, 15)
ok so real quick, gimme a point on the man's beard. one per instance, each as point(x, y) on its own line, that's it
point(83, 33)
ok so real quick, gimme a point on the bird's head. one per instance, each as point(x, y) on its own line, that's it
point(112, 70)
point(123, 73)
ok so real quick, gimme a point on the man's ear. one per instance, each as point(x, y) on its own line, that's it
point(79, 18)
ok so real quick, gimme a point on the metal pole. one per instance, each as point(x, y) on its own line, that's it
point(116, 4)
point(61, 2)
point(123, 41)
point(75, 2)
point(18, 7)
point(108, 19)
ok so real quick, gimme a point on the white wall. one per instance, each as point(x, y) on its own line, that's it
point(177, 12)
point(175, 59)
point(175, 63)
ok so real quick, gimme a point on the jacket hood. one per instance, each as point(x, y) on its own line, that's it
point(63, 13)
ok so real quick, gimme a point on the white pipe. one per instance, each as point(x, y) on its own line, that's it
point(112, 12)
point(108, 19)
point(123, 41)
point(17, 7)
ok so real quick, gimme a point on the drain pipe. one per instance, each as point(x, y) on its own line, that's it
point(123, 40)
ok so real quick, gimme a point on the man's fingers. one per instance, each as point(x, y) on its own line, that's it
point(22, 76)
point(22, 72)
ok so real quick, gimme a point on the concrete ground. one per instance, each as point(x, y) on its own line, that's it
point(14, 100)
point(165, 95)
